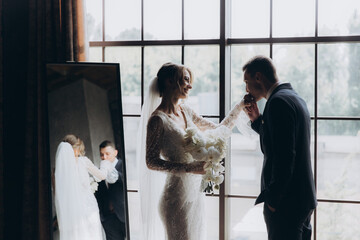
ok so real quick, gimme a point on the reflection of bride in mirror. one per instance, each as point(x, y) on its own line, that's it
point(76, 207)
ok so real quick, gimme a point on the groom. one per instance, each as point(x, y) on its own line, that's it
point(110, 196)
point(287, 184)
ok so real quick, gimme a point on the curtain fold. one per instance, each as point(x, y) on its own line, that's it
point(32, 33)
point(73, 23)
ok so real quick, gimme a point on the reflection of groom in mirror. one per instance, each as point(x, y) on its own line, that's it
point(287, 184)
point(110, 196)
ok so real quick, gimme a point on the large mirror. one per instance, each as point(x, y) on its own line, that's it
point(84, 99)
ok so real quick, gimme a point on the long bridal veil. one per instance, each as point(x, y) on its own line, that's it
point(70, 209)
point(151, 182)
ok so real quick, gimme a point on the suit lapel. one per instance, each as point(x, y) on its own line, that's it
point(119, 166)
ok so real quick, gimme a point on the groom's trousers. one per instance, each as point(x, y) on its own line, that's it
point(114, 228)
point(288, 224)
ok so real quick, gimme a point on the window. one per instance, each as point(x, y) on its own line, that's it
point(315, 45)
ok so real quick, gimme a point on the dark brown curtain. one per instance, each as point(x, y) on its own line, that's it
point(73, 24)
point(33, 32)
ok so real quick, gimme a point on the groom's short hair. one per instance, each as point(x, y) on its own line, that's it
point(263, 65)
point(107, 143)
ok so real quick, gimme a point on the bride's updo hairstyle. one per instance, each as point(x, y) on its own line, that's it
point(75, 142)
point(174, 73)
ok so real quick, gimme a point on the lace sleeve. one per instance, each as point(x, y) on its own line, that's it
point(154, 139)
point(228, 121)
point(99, 174)
point(233, 115)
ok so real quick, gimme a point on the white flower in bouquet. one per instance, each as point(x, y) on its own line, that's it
point(213, 177)
point(220, 145)
point(193, 138)
point(211, 181)
point(208, 166)
point(191, 131)
point(214, 155)
point(209, 176)
point(93, 185)
point(199, 154)
point(195, 143)
point(218, 168)
point(219, 179)
point(209, 146)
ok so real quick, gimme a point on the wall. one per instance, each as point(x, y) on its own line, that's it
point(80, 108)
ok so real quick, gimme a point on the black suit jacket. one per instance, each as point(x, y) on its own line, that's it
point(284, 129)
point(114, 195)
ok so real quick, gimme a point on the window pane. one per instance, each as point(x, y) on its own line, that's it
point(339, 17)
point(204, 64)
point(242, 11)
point(338, 221)
point(130, 71)
point(205, 25)
point(339, 79)
point(95, 54)
point(162, 19)
point(296, 64)
point(212, 217)
point(134, 215)
point(338, 160)
point(245, 164)
point(122, 20)
point(246, 221)
point(293, 18)
point(131, 125)
point(94, 20)
point(155, 57)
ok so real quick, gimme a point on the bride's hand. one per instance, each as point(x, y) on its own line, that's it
point(197, 167)
point(247, 101)
point(244, 104)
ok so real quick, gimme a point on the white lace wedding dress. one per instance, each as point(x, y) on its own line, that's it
point(76, 207)
point(182, 202)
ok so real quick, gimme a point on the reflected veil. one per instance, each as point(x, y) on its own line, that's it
point(69, 195)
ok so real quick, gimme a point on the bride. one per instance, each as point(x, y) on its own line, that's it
point(76, 207)
point(172, 204)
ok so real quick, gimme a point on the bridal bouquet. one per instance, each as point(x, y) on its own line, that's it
point(209, 146)
point(93, 185)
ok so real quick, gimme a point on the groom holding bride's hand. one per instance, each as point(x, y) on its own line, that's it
point(110, 195)
point(287, 185)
